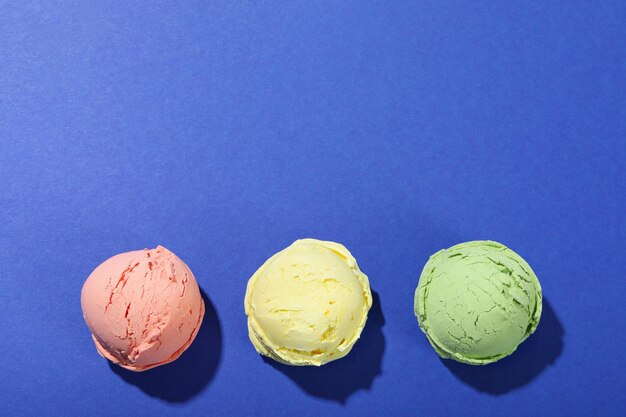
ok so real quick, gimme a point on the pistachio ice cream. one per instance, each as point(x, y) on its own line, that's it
point(477, 301)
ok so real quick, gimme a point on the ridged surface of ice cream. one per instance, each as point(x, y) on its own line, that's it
point(308, 304)
point(477, 301)
point(143, 308)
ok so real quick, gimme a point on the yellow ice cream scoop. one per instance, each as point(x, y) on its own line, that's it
point(307, 304)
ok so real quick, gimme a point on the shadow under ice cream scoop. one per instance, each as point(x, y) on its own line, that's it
point(143, 308)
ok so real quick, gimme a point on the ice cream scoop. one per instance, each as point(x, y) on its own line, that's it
point(307, 304)
point(143, 308)
point(477, 301)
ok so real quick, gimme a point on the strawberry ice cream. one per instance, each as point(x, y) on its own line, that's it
point(143, 308)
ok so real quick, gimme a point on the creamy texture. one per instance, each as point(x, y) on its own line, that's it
point(143, 308)
point(477, 301)
point(308, 304)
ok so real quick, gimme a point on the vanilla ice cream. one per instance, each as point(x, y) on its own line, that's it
point(307, 304)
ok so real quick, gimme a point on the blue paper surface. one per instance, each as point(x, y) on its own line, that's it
point(226, 130)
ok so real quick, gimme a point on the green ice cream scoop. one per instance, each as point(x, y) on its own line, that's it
point(477, 301)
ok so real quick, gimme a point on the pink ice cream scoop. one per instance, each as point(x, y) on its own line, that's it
point(143, 308)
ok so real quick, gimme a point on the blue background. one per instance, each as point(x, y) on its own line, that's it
point(225, 131)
